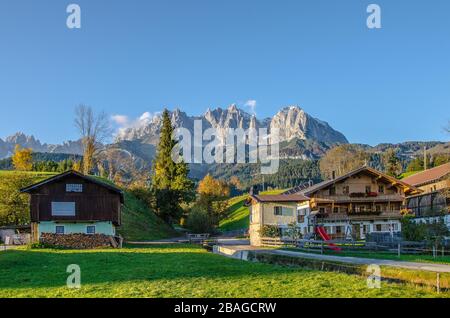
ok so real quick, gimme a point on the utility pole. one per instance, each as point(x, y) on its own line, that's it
point(424, 157)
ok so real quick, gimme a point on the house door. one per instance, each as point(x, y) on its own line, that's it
point(356, 231)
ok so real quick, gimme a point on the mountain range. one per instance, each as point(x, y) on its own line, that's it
point(301, 135)
point(292, 122)
point(8, 144)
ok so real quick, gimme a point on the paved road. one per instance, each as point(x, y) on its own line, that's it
point(183, 239)
point(430, 267)
point(233, 241)
point(173, 240)
point(7, 247)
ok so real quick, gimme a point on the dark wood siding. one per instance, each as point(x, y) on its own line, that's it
point(95, 203)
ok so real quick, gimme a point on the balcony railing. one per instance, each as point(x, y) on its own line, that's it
point(358, 214)
point(349, 198)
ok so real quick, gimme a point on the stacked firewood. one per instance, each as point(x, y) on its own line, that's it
point(78, 240)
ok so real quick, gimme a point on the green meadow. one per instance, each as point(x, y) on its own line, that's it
point(175, 271)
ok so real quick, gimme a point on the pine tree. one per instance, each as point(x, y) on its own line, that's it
point(170, 183)
point(392, 165)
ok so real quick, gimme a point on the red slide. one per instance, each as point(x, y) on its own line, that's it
point(324, 235)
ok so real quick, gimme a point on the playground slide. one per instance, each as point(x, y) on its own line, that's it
point(324, 235)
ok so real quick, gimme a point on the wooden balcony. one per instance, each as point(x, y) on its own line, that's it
point(358, 216)
point(349, 199)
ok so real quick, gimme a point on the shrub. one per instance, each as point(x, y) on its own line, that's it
point(199, 221)
point(270, 231)
point(433, 231)
point(293, 231)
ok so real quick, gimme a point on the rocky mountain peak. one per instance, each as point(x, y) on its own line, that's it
point(292, 122)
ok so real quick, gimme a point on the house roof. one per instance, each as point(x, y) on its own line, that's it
point(428, 175)
point(280, 198)
point(321, 185)
point(74, 173)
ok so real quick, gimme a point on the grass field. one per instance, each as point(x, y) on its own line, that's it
point(174, 271)
point(238, 217)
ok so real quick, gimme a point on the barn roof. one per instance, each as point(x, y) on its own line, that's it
point(77, 174)
point(429, 175)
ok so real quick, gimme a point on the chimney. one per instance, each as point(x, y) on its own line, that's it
point(333, 175)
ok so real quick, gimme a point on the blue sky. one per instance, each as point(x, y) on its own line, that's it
point(131, 57)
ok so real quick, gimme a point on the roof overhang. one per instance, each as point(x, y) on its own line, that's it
point(60, 176)
point(379, 175)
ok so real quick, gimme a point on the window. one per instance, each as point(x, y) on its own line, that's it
point(381, 188)
point(346, 190)
point(90, 229)
point(59, 229)
point(338, 229)
point(63, 208)
point(378, 208)
point(332, 191)
point(321, 210)
point(287, 211)
point(368, 189)
point(71, 187)
point(301, 219)
point(336, 209)
point(303, 211)
point(277, 210)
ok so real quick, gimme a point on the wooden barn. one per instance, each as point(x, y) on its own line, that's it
point(71, 203)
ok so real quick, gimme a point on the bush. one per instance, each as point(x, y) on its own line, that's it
point(293, 231)
point(199, 221)
point(270, 231)
point(433, 231)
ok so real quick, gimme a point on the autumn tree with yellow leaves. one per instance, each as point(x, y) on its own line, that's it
point(22, 158)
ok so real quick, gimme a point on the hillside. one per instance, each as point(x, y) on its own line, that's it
point(139, 223)
point(238, 217)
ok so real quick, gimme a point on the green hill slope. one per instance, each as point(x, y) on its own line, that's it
point(139, 223)
point(238, 217)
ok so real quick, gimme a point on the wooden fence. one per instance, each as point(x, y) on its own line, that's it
point(319, 246)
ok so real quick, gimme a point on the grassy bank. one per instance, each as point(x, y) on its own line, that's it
point(174, 271)
point(383, 255)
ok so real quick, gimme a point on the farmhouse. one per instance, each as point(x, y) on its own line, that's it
point(431, 180)
point(71, 203)
point(350, 206)
point(435, 182)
